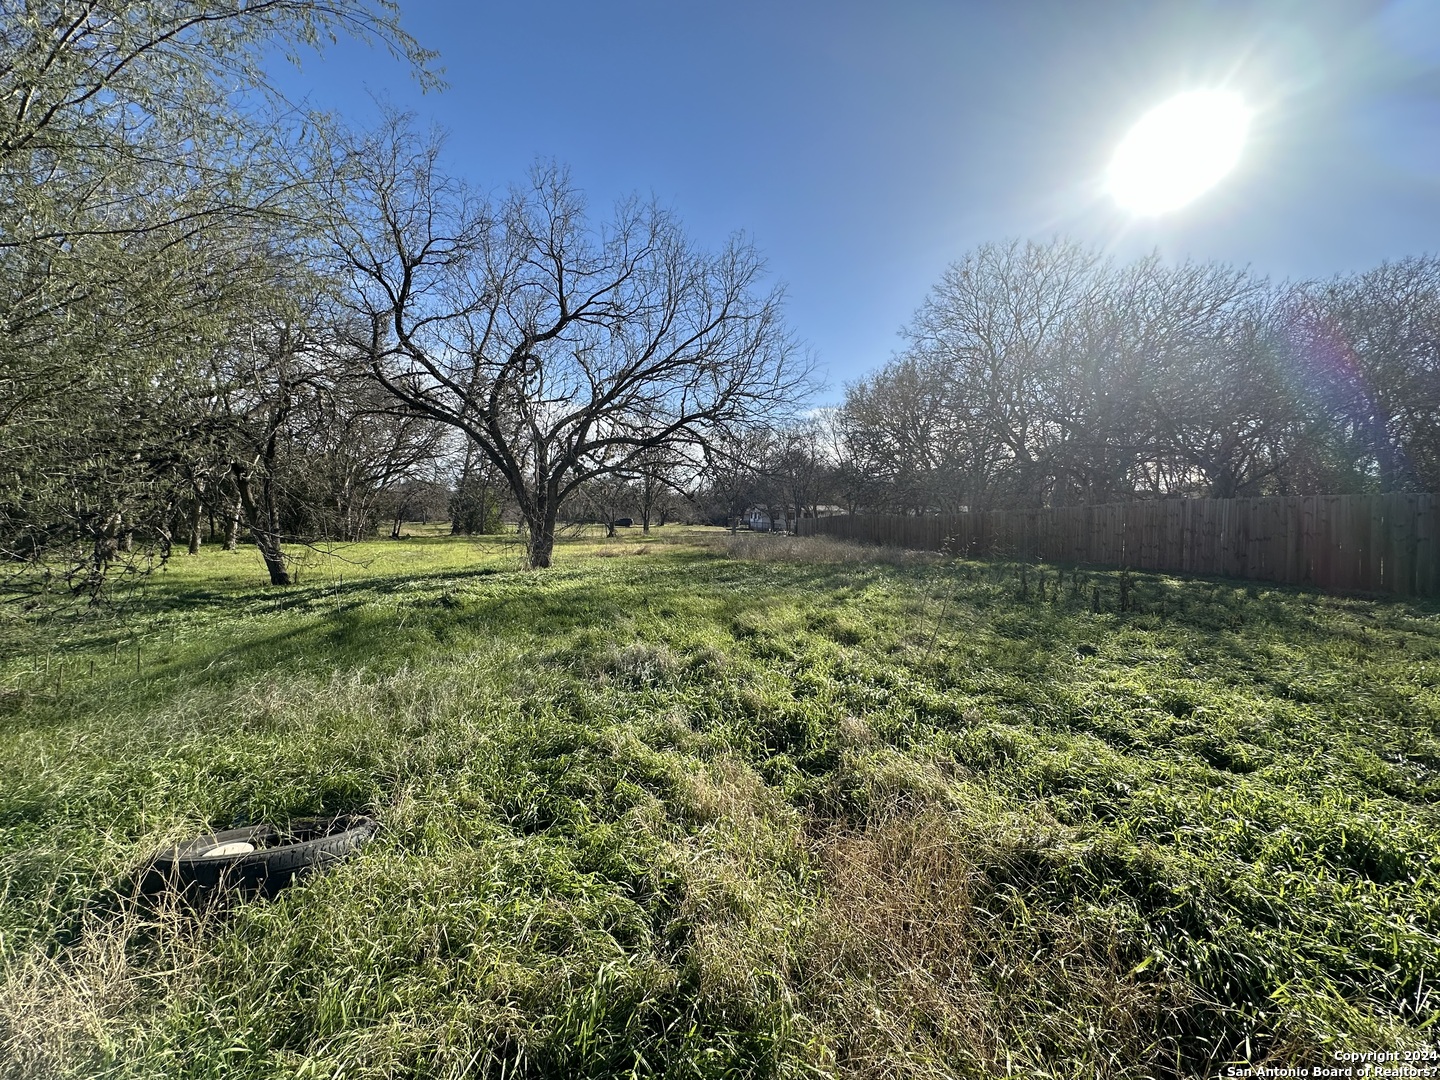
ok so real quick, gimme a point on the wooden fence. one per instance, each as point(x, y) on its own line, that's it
point(1372, 543)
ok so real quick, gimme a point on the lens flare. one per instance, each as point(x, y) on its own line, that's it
point(1178, 151)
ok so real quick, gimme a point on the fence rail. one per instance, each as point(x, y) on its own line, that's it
point(1372, 543)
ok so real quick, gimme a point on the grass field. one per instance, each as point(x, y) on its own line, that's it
point(695, 806)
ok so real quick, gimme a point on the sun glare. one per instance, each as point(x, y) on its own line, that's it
point(1178, 151)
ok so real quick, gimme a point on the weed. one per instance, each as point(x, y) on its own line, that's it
point(745, 806)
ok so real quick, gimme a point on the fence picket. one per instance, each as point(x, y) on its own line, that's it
point(1375, 543)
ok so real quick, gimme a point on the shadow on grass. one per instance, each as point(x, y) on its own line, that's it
point(382, 622)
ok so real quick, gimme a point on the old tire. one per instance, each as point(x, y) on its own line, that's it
point(304, 845)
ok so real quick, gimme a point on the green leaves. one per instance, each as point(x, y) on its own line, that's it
point(152, 205)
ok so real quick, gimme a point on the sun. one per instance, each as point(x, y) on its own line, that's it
point(1178, 151)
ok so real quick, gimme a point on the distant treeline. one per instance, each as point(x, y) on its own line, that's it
point(1048, 375)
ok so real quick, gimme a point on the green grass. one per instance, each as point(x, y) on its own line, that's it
point(689, 806)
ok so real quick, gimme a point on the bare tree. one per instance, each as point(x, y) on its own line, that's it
point(1046, 375)
point(908, 443)
point(799, 469)
point(1218, 399)
point(994, 323)
point(657, 484)
point(606, 498)
point(358, 447)
point(1370, 346)
point(475, 504)
point(562, 349)
point(731, 474)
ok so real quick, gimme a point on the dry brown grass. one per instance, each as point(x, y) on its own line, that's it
point(640, 661)
point(57, 1011)
point(618, 551)
point(931, 957)
point(854, 732)
point(772, 547)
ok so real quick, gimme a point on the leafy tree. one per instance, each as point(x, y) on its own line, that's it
point(147, 166)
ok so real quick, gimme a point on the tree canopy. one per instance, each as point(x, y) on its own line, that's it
point(1047, 374)
point(563, 349)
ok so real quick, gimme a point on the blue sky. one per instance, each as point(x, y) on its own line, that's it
point(865, 145)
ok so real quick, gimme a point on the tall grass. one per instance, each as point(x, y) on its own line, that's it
point(730, 807)
point(820, 550)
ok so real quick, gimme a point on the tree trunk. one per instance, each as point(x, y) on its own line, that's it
point(541, 543)
point(1225, 484)
point(267, 537)
point(106, 547)
point(272, 511)
point(194, 546)
point(232, 526)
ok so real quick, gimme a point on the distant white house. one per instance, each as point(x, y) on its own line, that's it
point(760, 519)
